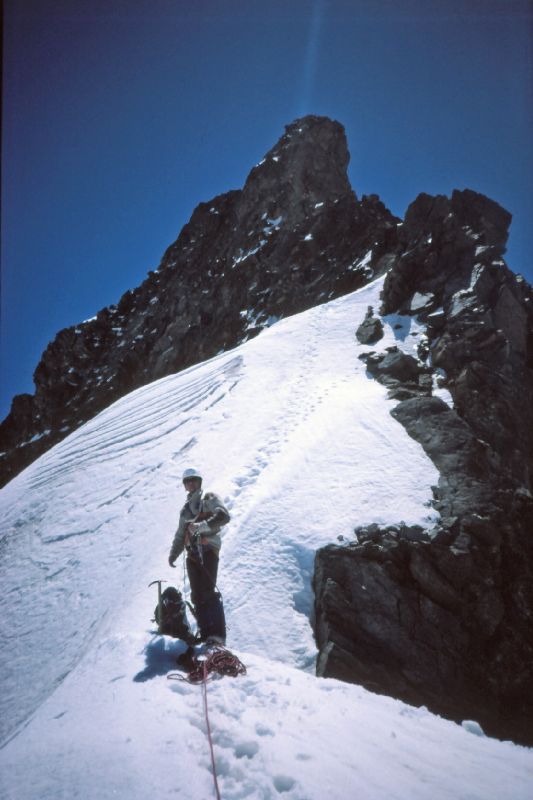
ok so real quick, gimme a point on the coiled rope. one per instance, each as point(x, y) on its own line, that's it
point(217, 662)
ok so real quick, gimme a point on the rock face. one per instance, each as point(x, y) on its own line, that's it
point(444, 617)
point(294, 236)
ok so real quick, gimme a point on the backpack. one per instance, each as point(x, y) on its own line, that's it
point(174, 614)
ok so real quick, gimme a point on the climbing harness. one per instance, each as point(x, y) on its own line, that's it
point(217, 662)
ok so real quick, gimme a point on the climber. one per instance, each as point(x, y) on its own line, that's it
point(201, 519)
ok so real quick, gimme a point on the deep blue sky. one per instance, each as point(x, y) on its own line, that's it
point(119, 116)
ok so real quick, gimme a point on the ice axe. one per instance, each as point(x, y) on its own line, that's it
point(159, 605)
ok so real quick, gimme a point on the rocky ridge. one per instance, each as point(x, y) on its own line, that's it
point(444, 617)
point(294, 236)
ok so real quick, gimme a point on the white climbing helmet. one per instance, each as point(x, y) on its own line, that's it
point(191, 473)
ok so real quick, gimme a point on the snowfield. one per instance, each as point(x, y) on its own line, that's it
point(291, 431)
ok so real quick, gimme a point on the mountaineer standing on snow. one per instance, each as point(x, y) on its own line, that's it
point(201, 519)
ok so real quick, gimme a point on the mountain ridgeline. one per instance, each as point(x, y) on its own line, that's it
point(440, 617)
point(293, 237)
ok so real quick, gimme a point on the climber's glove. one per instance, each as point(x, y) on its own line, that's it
point(198, 529)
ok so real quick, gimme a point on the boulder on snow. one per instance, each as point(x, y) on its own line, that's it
point(371, 329)
point(402, 374)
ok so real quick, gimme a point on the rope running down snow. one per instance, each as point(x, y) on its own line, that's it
point(218, 662)
point(209, 736)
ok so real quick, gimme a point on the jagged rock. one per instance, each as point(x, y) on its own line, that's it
point(374, 533)
point(449, 235)
point(294, 236)
point(402, 374)
point(371, 329)
point(451, 614)
point(387, 654)
point(397, 365)
point(454, 449)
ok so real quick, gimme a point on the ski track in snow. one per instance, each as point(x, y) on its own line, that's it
point(290, 430)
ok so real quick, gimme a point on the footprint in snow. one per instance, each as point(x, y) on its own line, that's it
point(263, 730)
point(246, 750)
point(283, 783)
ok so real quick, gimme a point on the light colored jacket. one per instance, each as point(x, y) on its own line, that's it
point(208, 507)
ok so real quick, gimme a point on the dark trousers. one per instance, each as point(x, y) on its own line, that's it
point(206, 600)
point(202, 576)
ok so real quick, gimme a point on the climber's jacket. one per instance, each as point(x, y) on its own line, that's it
point(208, 507)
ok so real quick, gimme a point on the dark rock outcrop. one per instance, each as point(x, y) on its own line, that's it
point(404, 376)
point(444, 617)
point(371, 328)
point(295, 236)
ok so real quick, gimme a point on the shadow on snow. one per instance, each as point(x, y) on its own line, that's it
point(160, 656)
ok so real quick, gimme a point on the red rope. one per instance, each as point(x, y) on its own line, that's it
point(218, 662)
point(210, 738)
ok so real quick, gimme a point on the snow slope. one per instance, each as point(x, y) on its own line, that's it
point(289, 429)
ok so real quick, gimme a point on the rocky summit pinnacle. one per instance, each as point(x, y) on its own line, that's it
point(293, 237)
point(305, 169)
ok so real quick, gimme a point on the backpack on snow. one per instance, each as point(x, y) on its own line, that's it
point(174, 616)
